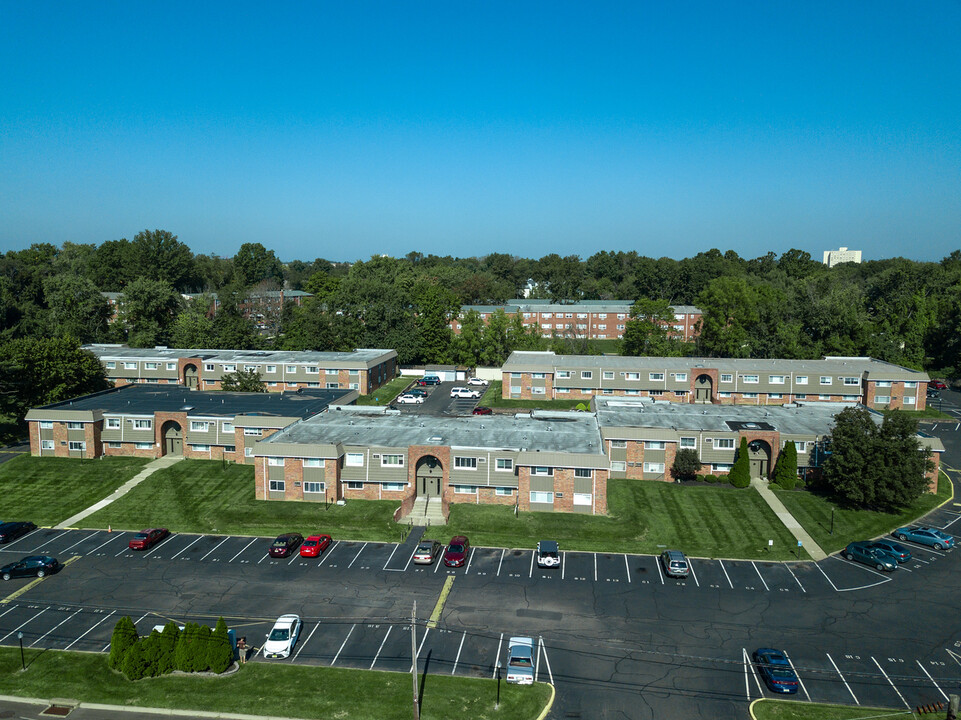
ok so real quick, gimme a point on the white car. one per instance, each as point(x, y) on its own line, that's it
point(520, 661)
point(463, 392)
point(409, 400)
point(283, 636)
point(477, 381)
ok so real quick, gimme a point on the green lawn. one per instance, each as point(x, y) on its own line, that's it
point(930, 411)
point(386, 393)
point(205, 496)
point(646, 517)
point(49, 490)
point(814, 513)
point(269, 689)
point(768, 709)
point(492, 398)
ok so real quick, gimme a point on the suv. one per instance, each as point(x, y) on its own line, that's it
point(548, 555)
point(429, 380)
point(675, 564)
point(464, 392)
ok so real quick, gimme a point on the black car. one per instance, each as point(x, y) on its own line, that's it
point(30, 566)
point(12, 530)
point(285, 544)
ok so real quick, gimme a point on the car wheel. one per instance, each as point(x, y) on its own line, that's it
point(41, 573)
point(849, 556)
point(938, 546)
point(879, 566)
point(6, 576)
point(902, 537)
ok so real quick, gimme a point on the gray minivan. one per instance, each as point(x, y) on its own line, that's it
point(675, 564)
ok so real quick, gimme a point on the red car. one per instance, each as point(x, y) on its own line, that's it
point(314, 545)
point(146, 539)
point(457, 551)
point(482, 410)
point(937, 385)
point(285, 545)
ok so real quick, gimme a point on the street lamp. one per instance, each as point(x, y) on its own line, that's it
point(23, 665)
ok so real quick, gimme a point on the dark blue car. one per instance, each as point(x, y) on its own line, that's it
point(776, 671)
point(900, 553)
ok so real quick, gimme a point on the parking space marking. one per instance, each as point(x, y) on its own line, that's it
point(382, 642)
point(55, 537)
point(295, 556)
point(266, 555)
point(216, 546)
point(893, 687)
point(21, 626)
point(89, 630)
point(838, 671)
point(419, 647)
point(945, 527)
point(884, 578)
point(159, 544)
point(357, 555)
point(327, 553)
point(392, 555)
point(180, 554)
point(500, 562)
point(932, 680)
point(20, 539)
point(467, 568)
point(500, 643)
point(459, 648)
point(80, 541)
point(343, 643)
point(627, 568)
point(126, 549)
point(440, 561)
point(800, 681)
point(14, 607)
point(305, 642)
point(660, 574)
point(766, 588)
point(56, 626)
point(749, 663)
point(690, 564)
point(547, 661)
point(595, 567)
point(563, 563)
point(795, 577)
point(818, 566)
point(105, 647)
point(242, 549)
point(721, 563)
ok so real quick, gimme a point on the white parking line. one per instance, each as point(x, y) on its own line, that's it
point(690, 564)
point(563, 563)
point(14, 607)
point(531, 573)
point(795, 577)
point(800, 681)
point(40, 547)
point(884, 578)
point(392, 555)
point(266, 555)
point(627, 567)
point(94, 626)
point(80, 541)
point(749, 663)
point(500, 562)
point(419, 647)
point(838, 671)
point(343, 643)
point(409, 560)
point(357, 555)
point(945, 527)
point(242, 549)
point(547, 661)
point(721, 563)
point(659, 573)
point(440, 561)
point(382, 643)
point(20, 539)
point(105, 647)
point(54, 627)
point(305, 642)
point(327, 553)
point(180, 554)
point(827, 578)
point(25, 623)
point(296, 555)
point(126, 549)
point(765, 587)
point(162, 542)
point(931, 679)
point(459, 648)
point(467, 567)
point(891, 683)
point(215, 547)
point(497, 657)
point(595, 567)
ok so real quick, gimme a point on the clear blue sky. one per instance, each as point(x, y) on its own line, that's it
point(343, 130)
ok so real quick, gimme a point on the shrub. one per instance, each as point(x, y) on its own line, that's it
point(686, 464)
point(134, 664)
point(167, 644)
point(183, 652)
point(710, 478)
point(741, 472)
point(199, 651)
point(785, 472)
point(724, 479)
point(220, 653)
point(124, 636)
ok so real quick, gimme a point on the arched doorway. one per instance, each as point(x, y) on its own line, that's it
point(430, 476)
point(703, 387)
point(190, 376)
point(173, 438)
point(759, 454)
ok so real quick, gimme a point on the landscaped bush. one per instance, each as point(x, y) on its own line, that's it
point(785, 472)
point(724, 479)
point(134, 664)
point(741, 472)
point(194, 650)
point(220, 653)
point(709, 478)
point(123, 637)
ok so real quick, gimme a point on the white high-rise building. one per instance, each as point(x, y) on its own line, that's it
point(841, 255)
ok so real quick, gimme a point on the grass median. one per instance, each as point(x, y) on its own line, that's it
point(49, 490)
point(492, 398)
point(768, 709)
point(386, 393)
point(207, 496)
point(269, 689)
point(646, 517)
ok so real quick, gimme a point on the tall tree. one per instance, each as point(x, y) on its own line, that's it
point(76, 307)
point(255, 263)
point(647, 332)
point(147, 311)
point(730, 308)
point(158, 255)
point(194, 326)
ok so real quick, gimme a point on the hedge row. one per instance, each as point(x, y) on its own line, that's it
point(195, 649)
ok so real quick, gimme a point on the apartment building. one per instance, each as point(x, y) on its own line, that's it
point(592, 319)
point(363, 370)
point(258, 305)
point(875, 384)
point(841, 255)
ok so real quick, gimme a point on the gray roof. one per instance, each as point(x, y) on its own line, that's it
point(566, 432)
point(365, 356)
point(591, 306)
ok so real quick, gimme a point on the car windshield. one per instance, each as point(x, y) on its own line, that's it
point(140, 536)
point(280, 634)
point(309, 543)
point(548, 553)
point(517, 661)
point(456, 548)
point(281, 542)
point(424, 548)
point(782, 673)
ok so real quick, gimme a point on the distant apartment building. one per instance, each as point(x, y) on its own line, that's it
point(722, 381)
point(590, 319)
point(363, 370)
point(841, 255)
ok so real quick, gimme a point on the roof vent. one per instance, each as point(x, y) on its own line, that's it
point(435, 438)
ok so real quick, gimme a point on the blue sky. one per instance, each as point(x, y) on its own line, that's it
point(343, 130)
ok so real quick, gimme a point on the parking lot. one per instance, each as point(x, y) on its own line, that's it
point(439, 401)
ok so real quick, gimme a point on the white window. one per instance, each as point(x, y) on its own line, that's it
point(688, 442)
point(504, 465)
point(271, 368)
point(198, 426)
point(583, 499)
point(113, 423)
point(313, 462)
point(546, 326)
point(720, 467)
point(200, 448)
point(723, 443)
point(801, 396)
point(392, 460)
point(724, 394)
point(230, 367)
point(908, 400)
point(142, 424)
point(538, 390)
point(825, 379)
point(465, 489)
point(393, 486)
point(171, 366)
point(291, 368)
point(111, 364)
point(537, 376)
point(583, 473)
point(313, 370)
point(332, 371)
point(74, 426)
point(749, 396)
point(330, 385)
point(546, 498)
point(253, 431)
point(775, 379)
point(273, 384)
point(801, 380)
point(248, 452)
point(608, 375)
point(727, 377)
point(602, 316)
point(355, 485)
point(209, 367)
point(227, 427)
point(680, 377)
point(607, 391)
point(314, 487)
point(547, 315)
point(883, 383)
point(655, 376)
point(774, 396)
point(354, 460)
point(563, 374)
point(230, 448)
point(249, 368)
point(275, 461)
point(654, 445)
point(465, 463)
point(143, 445)
point(618, 443)
point(114, 445)
point(502, 491)
point(634, 391)
point(653, 467)
point(632, 376)
point(48, 444)
point(350, 386)
point(544, 471)
point(602, 327)
point(586, 374)
point(824, 397)
point(656, 393)
point(621, 316)
point(516, 389)
point(568, 315)
point(130, 366)
point(620, 327)
point(801, 445)
point(46, 425)
point(910, 384)
point(516, 375)
point(618, 466)
point(150, 366)
point(852, 380)
point(562, 390)
point(581, 316)
point(882, 399)
point(277, 486)
point(77, 445)
point(749, 379)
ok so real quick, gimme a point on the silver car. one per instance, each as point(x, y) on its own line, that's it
point(675, 564)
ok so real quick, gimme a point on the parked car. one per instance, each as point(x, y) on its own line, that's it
point(146, 539)
point(775, 670)
point(520, 661)
point(407, 399)
point(429, 380)
point(285, 544)
point(938, 385)
point(426, 552)
point(314, 545)
point(675, 564)
point(935, 394)
point(463, 392)
point(457, 551)
point(10, 531)
point(30, 566)
point(477, 381)
point(937, 539)
point(417, 392)
point(900, 553)
point(548, 554)
point(862, 552)
point(282, 636)
point(482, 410)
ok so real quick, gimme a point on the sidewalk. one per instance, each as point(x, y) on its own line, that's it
point(148, 470)
point(788, 519)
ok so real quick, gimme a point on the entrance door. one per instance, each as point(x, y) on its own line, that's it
point(429, 473)
point(173, 438)
point(702, 389)
point(190, 376)
point(759, 453)
point(429, 486)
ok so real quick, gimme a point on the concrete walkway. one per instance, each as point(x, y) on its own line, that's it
point(788, 519)
point(148, 470)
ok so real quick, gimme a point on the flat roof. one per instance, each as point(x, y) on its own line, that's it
point(566, 432)
point(366, 356)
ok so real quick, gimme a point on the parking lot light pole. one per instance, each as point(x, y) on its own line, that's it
point(23, 665)
point(497, 702)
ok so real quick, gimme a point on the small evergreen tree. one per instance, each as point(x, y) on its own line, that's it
point(167, 644)
point(785, 472)
point(686, 464)
point(741, 472)
point(124, 636)
point(184, 649)
point(220, 653)
point(150, 647)
point(134, 663)
point(199, 650)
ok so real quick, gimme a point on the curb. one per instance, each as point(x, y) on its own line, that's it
point(550, 704)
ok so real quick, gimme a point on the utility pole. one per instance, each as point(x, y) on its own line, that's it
point(413, 658)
